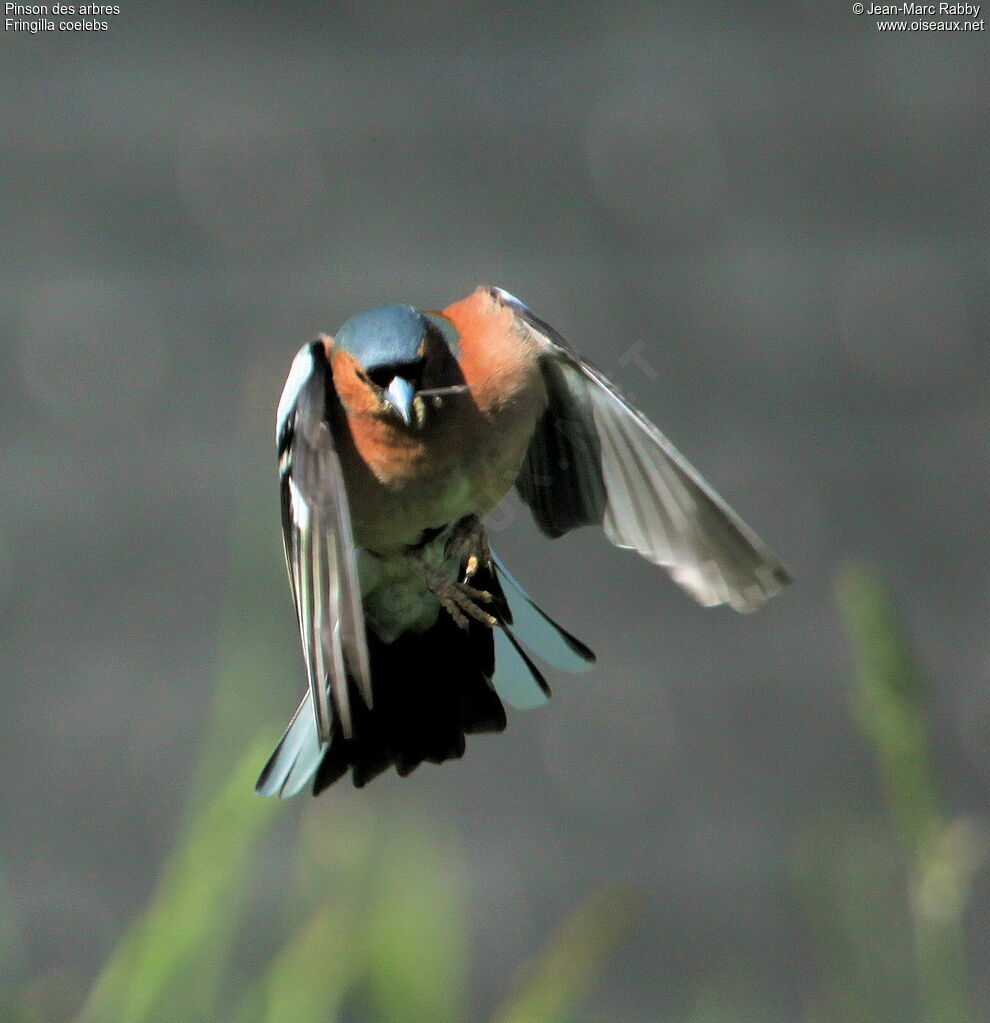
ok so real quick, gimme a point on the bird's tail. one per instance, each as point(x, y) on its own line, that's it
point(430, 690)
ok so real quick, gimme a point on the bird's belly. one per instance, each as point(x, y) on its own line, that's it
point(395, 592)
point(397, 493)
point(396, 518)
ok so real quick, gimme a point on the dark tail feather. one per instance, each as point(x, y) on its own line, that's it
point(430, 691)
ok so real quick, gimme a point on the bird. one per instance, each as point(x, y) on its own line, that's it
point(395, 438)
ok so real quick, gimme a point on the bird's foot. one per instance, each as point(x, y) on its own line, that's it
point(460, 600)
point(468, 537)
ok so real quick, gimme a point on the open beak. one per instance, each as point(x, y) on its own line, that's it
point(400, 394)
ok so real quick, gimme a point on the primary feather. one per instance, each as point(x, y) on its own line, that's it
point(319, 547)
point(594, 458)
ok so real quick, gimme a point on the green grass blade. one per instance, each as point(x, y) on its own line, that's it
point(416, 937)
point(889, 707)
point(308, 982)
point(850, 872)
point(559, 979)
point(172, 962)
point(322, 962)
point(168, 964)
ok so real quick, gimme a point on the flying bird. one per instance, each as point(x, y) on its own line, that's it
point(395, 438)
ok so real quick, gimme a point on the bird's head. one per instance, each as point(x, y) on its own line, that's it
point(395, 357)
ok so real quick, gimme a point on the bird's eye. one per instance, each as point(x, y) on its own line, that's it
point(382, 376)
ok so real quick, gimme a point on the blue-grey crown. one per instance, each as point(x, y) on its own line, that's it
point(389, 335)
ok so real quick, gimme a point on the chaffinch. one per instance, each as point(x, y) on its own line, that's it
point(395, 438)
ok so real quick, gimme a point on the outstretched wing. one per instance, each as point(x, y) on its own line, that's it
point(296, 757)
point(595, 459)
point(319, 545)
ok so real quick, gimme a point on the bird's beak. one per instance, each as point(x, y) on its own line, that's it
point(400, 394)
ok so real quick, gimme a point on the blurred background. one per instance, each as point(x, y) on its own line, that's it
point(766, 222)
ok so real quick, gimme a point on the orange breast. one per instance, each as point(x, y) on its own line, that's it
point(467, 455)
point(390, 452)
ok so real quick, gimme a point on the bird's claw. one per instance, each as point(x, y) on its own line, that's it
point(461, 601)
point(458, 599)
point(468, 537)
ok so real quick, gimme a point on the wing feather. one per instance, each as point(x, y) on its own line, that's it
point(319, 544)
point(296, 757)
point(655, 501)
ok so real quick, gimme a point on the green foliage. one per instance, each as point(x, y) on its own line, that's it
point(888, 702)
point(560, 977)
point(851, 873)
point(889, 904)
point(170, 962)
point(308, 982)
point(416, 937)
point(387, 931)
